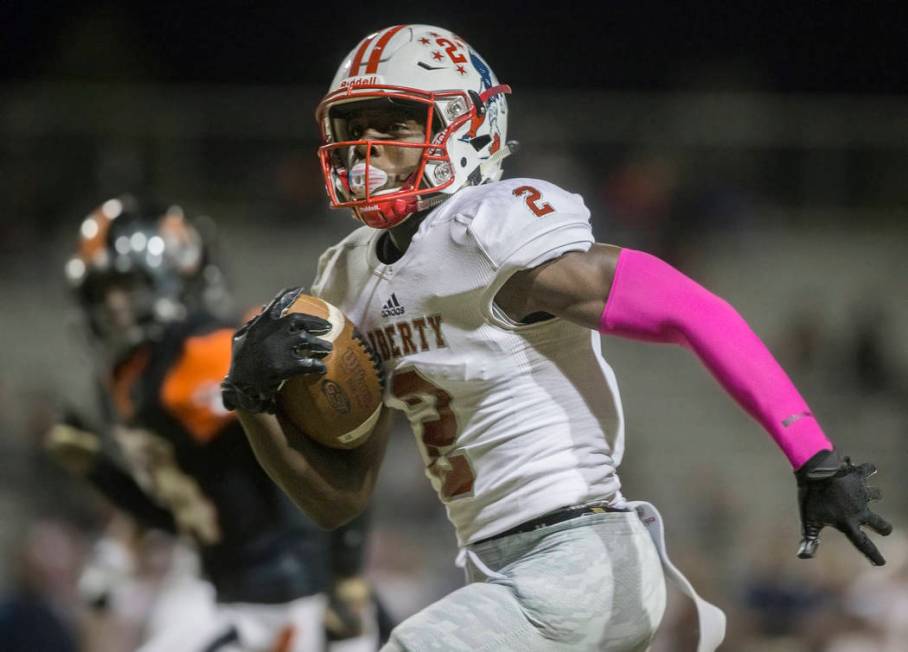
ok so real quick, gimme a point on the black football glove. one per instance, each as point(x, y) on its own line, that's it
point(268, 350)
point(834, 492)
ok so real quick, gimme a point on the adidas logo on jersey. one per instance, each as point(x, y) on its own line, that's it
point(392, 308)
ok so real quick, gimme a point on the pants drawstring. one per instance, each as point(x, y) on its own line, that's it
point(467, 554)
point(710, 617)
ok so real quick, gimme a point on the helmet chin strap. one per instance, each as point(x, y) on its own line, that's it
point(486, 167)
point(395, 211)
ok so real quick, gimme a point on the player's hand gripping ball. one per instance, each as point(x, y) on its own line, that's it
point(270, 348)
point(302, 357)
point(340, 407)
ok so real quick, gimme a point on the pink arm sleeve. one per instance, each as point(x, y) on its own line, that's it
point(650, 300)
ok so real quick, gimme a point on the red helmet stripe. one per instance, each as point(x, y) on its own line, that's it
point(375, 57)
point(358, 58)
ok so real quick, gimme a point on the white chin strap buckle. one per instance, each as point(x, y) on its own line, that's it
point(488, 165)
point(358, 175)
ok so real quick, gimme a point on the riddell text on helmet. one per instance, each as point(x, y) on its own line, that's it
point(355, 82)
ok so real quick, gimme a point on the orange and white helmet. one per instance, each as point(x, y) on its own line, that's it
point(422, 68)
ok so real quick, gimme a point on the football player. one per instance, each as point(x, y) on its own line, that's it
point(486, 299)
point(151, 296)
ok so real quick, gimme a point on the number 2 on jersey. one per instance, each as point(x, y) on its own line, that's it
point(533, 196)
point(430, 406)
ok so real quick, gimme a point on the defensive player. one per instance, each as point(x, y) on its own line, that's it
point(485, 299)
point(149, 293)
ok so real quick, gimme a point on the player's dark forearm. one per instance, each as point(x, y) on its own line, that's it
point(124, 493)
point(348, 548)
point(331, 486)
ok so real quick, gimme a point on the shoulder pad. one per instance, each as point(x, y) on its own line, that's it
point(328, 260)
point(523, 222)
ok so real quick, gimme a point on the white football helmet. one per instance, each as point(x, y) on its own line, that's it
point(413, 68)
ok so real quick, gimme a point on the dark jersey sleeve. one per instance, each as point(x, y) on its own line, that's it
point(347, 548)
point(121, 489)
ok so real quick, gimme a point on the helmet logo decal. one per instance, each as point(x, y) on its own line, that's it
point(451, 50)
point(485, 75)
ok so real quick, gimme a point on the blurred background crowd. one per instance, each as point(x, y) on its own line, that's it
point(762, 149)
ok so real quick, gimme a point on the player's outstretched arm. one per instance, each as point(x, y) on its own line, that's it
point(636, 295)
point(79, 451)
point(331, 486)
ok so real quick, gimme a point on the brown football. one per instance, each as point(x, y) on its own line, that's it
point(340, 408)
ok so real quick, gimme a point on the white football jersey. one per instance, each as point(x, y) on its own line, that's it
point(513, 421)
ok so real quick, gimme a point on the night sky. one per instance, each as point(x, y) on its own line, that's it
point(817, 47)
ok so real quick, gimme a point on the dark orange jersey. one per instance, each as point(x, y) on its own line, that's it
point(191, 390)
point(191, 457)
